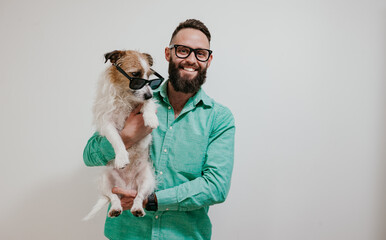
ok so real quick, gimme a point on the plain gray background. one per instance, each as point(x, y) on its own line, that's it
point(305, 81)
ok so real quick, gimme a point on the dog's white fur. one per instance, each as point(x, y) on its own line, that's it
point(114, 102)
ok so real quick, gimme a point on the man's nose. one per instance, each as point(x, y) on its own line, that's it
point(191, 58)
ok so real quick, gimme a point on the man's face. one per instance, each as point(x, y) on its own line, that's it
point(187, 75)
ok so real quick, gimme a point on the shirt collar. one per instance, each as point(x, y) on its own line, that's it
point(200, 96)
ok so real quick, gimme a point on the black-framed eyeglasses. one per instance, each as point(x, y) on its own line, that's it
point(138, 83)
point(183, 52)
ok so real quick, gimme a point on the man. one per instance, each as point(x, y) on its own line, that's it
point(192, 149)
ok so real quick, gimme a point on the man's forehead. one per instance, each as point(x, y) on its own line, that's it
point(191, 37)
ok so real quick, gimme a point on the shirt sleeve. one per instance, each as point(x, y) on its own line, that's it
point(213, 186)
point(98, 151)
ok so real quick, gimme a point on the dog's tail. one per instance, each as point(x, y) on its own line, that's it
point(102, 201)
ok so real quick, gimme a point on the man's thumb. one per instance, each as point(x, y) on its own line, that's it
point(137, 109)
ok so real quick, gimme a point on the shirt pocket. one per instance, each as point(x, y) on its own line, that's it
point(189, 154)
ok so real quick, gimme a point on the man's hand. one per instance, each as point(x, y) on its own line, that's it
point(134, 129)
point(127, 197)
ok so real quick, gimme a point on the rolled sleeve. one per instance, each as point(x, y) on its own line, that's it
point(98, 151)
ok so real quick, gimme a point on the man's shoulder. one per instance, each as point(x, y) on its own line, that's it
point(223, 113)
point(216, 105)
point(220, 111)
point(219, 107)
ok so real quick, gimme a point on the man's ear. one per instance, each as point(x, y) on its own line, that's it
point(167, 54)
point(148, 58)
point(210, 60)
point(114, 56)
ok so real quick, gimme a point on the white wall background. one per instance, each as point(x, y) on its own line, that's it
point(304, 79)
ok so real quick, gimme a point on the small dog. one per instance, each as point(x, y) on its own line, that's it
point(121, 89)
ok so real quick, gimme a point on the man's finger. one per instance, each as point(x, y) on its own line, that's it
point(137, 109)
point(124, 192)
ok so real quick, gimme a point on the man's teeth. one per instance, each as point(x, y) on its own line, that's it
point(189, 69)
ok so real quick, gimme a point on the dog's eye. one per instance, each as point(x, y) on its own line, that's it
point(136, 74)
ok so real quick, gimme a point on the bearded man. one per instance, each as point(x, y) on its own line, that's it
point(192, 149)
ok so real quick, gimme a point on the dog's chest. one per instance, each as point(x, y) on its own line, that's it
point(120, 115)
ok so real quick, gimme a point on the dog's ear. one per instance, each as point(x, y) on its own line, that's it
point(148, 58)
point(114, 56)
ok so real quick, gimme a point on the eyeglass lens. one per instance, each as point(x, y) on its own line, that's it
point(138, 83)
point(184, 52)
point(155, 83)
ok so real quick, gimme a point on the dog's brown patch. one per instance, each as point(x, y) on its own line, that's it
point(130, 62)
point(114, 56)
point(148, 58)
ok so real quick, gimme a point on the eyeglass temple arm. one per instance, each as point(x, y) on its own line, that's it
point(126, 75)
point(121, 71)
point(157, 74)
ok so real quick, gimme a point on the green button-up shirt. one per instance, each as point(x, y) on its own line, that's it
point(193, 161)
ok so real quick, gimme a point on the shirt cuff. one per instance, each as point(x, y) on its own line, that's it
point(167, 200)
point(107, 149)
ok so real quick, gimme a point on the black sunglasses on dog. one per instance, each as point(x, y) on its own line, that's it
point(138, 83)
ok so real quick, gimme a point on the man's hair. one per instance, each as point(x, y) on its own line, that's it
point(192, 23)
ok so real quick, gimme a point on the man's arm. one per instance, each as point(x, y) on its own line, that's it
point(98, 151)
point(213, 186)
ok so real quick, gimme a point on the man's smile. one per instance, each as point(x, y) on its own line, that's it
point(189, 69)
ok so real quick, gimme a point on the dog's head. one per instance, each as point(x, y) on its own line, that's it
point(136, 65)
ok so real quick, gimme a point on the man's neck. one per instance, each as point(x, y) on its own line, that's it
point(177, 99)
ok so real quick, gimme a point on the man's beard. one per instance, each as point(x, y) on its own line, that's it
point(185, 84)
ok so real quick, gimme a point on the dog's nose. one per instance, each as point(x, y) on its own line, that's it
point(148, 96)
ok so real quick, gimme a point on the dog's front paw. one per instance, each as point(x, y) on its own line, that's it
point(150, 120)
point(121, 160)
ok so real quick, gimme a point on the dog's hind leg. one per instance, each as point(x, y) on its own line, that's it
point(109, 180)
point(146, 185)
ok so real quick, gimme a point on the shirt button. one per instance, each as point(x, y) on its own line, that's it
point(165, 150)
point(167, 209)
point(156, 217)
point(169, 107)
point(171, 128)
point(161, 173)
